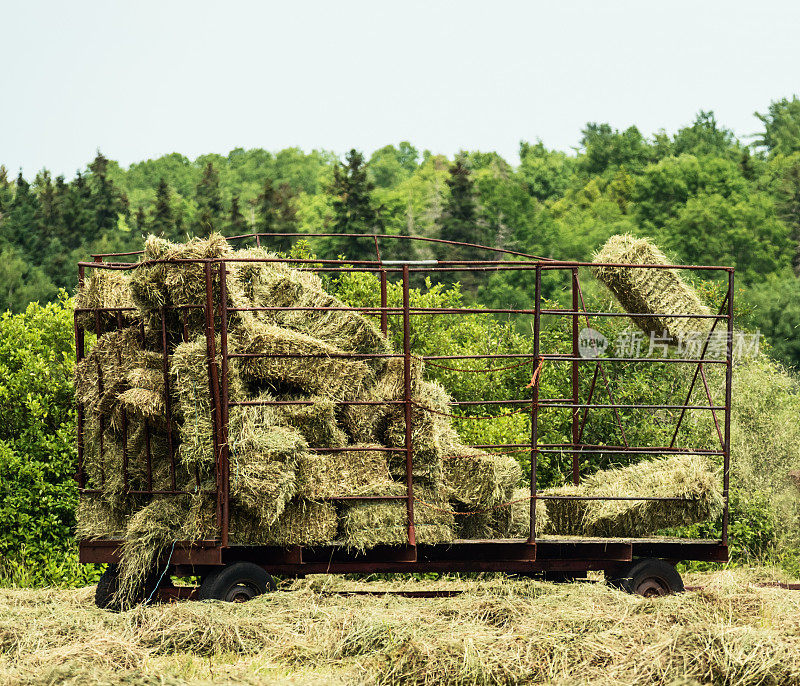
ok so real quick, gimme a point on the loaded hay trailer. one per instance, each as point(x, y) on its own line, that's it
point(234, 569)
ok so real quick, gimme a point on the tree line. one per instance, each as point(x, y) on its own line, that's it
point(705, 196)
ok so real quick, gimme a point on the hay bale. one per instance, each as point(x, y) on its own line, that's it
point(107, 365)
point(656, 291)
point(680, 476)
point(105, 288)
point(278, 285)
point(104, 469)
point(367, 524)
point(365, 423)
point(345, 473)
point(100, 517)
point(512, 520)
point(316, 422)
point(430, 425)
point(302, 522)
point(318, 371)
point(479, 480)
point(261, 487)
point(155, 284)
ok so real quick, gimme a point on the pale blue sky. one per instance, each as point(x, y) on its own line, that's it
point(141, 79)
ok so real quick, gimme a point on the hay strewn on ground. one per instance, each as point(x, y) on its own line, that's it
point(654, 291)
point(499, 631)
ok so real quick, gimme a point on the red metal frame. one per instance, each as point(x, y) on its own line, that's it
point(534, 554)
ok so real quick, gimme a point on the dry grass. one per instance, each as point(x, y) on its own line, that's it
point(677, 476)
point(498, 632)
point(655, 291)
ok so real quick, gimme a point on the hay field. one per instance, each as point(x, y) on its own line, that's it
point(499, 631)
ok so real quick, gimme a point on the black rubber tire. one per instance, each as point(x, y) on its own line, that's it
point(109, 581)
point(236, 583)
point(106, 588)
point(650, 578)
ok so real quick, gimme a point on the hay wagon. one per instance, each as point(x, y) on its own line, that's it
point(230, 570)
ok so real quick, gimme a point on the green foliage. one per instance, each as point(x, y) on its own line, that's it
point(38, 494)
point(781, 127)
point(776, 313)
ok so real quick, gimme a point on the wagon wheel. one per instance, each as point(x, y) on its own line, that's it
point(236, 583)
point(649, 578)
point(109, 582)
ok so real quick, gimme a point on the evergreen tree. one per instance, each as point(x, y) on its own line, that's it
point(788, 206)
point(20, 221)
point(108, 201)
point(276, 214)
point(140, 220)
point(237, 225)
point(161, 220)
point(353, 209)
point(77, 211)
point(210, 212)
point(6, 192)
point(461, 221)
point(267, 221)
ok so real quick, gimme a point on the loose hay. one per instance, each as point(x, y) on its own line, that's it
point(345, 473)
point(316, 422)
point(293, 360)
point(365, 525)
point(650, 291)
point(680, 476)
point(102, 289)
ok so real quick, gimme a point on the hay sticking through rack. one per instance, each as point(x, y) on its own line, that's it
point(287, 358)
point(316, 421)
point(148, 535)
point(103, 289)
point(367, 524)
point(650, 291)
point(680, 476)
point(356, 471)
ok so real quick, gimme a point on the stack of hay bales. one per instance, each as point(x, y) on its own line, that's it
point(649, 291)
point(288, 463)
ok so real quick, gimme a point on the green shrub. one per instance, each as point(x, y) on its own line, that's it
point(38, 493)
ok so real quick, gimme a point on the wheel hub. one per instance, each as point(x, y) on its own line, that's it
point(241, 593)
point(652, 587)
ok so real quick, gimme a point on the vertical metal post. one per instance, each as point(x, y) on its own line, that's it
point(258, 241)
point(213, 382)
point(79, 355)
point(726, 466)
point(225, 449)
point(412, 539)
point(384, 303)
point(167, 397)
point(535, 402)
point(148, 452)
point(576, 431)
